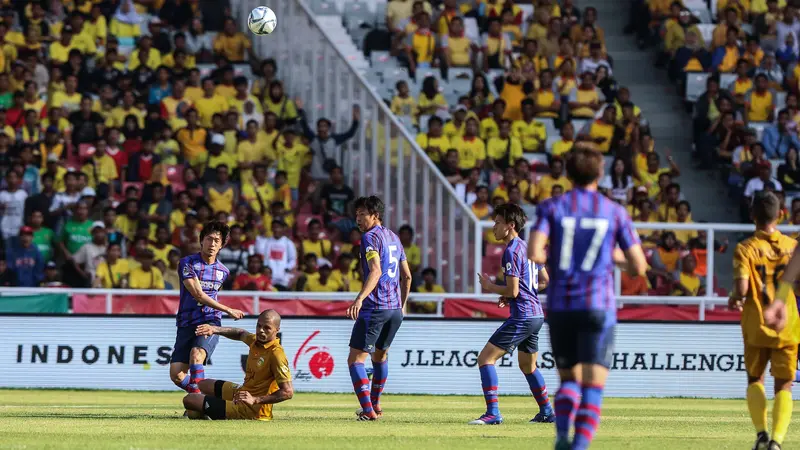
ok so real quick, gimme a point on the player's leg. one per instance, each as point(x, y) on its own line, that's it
point(755, 361)
point(179, 360)
point(202, 348)
point(504, 340)
point(563, 341)
point(528, 352)
point(595, 352)
point(783, 365)
point(362, 343)
point(380, 362)
point(205, 405)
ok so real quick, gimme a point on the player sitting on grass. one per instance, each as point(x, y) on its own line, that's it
point(520, 291)
point(201, 276)
point(770, 328)
point(267, 379)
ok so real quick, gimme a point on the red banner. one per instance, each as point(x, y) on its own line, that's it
point(152, 305)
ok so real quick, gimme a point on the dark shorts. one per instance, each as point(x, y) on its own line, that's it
point(581, 337)
point(518, 333)
point(214, 407)
point(186, 340)
point(375, 328)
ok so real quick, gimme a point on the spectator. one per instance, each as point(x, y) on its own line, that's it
point(691, 57)
point(431, 101)
point(458, 50)
point(234, 255)
point(171, 278)
point(146, 276)
point(75, 233)
point(86, 123)
point(126, 22)
point(420, 43)
point(324, 145)
point(481, 207)
point(595, 60)
point(190, 232)
point(649, 178)
point(291, 159)
point(777, 139)
point(556, 177)
point(429, 286)
point(480, 94)
point(413, 252)
point(761, 182)
point(567, 141)
point(12, 206)
point(687, 283)
point(101, 170)
point(584, 100)
point(760, 102)
point(434, 142)
point(602, 131)
point(279, 104)
point(619, 183)
point(668, 209)
point(222, 194)
point(504, 150)
point(787, 53)
point(450, 167)
point(346, 272)
point(86, 260)
point(315, 243)
point(664, 261)
point(232, 44)
point(684, 215)
point(8, 278)
point(495, 47)
point(161, 248)
point(43, 237)
point(279, 254)
point(773, 72)
point(789, 171)
point(322, 281)
point(531, 133)
point(336, 201)
point(128, 221)
point(25, 260)
point(254, 279)
point(51, 276)
point(403, 103)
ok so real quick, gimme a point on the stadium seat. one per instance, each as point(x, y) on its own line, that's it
point(759, 128)
point(536, 158)
point(695, 85)
point(323, 7)
point(581, 125)
point(471, 29)
point(549, 126)
point(84, 152)
point(726, 79)
point(706, 30)
point(702, 14)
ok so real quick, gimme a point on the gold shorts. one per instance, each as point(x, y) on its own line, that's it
point(783, 361)
point(242, 412)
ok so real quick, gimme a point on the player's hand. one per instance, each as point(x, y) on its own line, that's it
point(205, 330)
point(235, 313)
point(735, 304)
point(244, 398)
point(775, 316)
point(352, 311)
point(502, 302)
point(485, 281)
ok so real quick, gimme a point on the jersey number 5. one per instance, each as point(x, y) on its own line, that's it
point(392, 270)
point(599, 229)
point(776, 277)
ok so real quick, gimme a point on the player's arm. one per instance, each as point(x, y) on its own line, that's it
point(790, 275)
point(235, 334)
point(405, 282)
point(741, 279)
point(192, 285)
point(511, 289)
point(634, 261)
point(540, 233)
point(544, 278)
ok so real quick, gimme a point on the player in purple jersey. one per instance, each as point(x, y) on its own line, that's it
point(201, 277)
point(378, 308)
point(520, 292)
point(583, 228)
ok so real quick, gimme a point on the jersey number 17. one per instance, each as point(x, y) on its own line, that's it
point(569, 225)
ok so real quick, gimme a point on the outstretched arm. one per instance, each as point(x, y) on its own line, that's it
point(405, 282)
point(193, 286)
point(235, 334)
point(285, 392)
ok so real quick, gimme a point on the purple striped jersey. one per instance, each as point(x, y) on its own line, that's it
point(516, 264)
point(381, 241)
point(211, 277)
point(584, 228)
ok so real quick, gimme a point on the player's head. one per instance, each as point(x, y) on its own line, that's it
point(765, 210)
point(268, 326)
point(213, 237)
point(585, 167)
point(509, 220)
point(369, 212)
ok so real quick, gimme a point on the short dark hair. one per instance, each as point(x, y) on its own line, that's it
point(216, 227)
point(372, 204)
point(406, 228)
point(429, 270)
point(512, 214)
point(585, 166)
point(766, 208)
point(685, 203)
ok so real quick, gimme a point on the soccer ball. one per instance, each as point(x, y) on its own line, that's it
point(262, 21)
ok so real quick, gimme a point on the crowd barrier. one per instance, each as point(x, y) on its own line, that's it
point(429, 356)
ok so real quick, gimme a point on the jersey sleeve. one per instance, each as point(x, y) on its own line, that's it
point(511, 264)
point(371, 246)
point(741, 266)
point(402, 255)
point(249, 339)
point(186, 271)
point(280, 368)
point(543, 216)
point(626, 235)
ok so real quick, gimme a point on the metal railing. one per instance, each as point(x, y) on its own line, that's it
point(383, 159)
point(111, 295)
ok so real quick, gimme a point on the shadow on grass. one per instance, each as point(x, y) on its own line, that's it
point(89, 416)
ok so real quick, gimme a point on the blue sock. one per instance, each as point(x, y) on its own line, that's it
point(380, 370)
point(197, 374)
point(358, 374)
point(567, 399)
point(797, 376)
point(539, 391)
point(185, 383)
point(588, 418)
point(489, 384)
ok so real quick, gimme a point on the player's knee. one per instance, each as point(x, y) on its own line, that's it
point(187, 401)
point(177, 377)
point(782, 385)
point(197, 355)
point(751, 380)
point(380, 355)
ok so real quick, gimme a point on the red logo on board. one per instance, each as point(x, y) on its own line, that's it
point(320, 360)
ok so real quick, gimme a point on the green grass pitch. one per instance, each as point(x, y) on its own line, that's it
point(42, 419)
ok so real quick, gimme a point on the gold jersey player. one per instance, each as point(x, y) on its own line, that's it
point(267, 378)
point(767, 303)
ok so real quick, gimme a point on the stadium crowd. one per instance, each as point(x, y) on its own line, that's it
point(539, 85)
